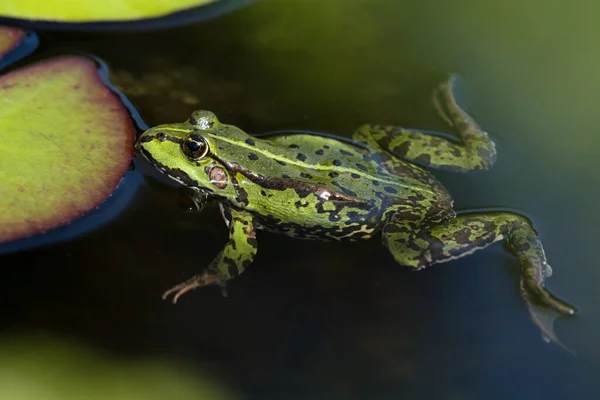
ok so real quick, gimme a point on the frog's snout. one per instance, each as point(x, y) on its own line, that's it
point(149, 136)
point(144, 138)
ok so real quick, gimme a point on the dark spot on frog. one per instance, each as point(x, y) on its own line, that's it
point(423, 159)
point(218, 177)
point(525, 247)
point(250, 142)
point(252, 242)
point(361, 167)
point(346, 153)
point(333, 174)
point(253, 156)
point(325, 146)
point(293, 146)
point(352, 217)
point(231, 267)
point(263, 193)
point(402, 149)
point(299, 204)
point(390, 189)
point(281, 162)
point(380, 195)
point(301, 157)
point(375, 183)
point(343, 189)
point(242, 196)
point(337, 163)
point(146, 139)
point(285, 176)
point(303, 175)
point(355, 176)
point(418, 197)
point(319, 152)
point(462, 237)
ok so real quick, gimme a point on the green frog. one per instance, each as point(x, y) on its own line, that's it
point(327, 188)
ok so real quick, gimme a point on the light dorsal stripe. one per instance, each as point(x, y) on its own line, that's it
point(301, 163)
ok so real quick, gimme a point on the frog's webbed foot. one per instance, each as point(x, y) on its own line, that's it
point(544, 308)
point(543, 315)
point(193, 283)
point(460, 236)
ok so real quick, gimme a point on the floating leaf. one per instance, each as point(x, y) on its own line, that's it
point(9, 39)
point(94, 10)
point(65, 142)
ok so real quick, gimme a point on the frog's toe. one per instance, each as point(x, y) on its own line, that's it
point(543, 295)
point(543, 316)
point(191, 284)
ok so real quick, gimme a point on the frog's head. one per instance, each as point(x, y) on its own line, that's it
point(187, 152)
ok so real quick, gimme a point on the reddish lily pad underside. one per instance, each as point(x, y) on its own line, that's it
point(9, 39)
point(65, 142)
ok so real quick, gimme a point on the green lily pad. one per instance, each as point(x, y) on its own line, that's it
point(65, 143)
point(95, 10)
point(47, 368)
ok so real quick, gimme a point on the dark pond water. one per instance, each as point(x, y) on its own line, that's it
point(321, 320)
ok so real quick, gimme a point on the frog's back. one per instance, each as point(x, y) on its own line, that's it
point(315, 186)
point(352, 168)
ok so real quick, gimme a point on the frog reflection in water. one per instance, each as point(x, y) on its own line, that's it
point(317, 187)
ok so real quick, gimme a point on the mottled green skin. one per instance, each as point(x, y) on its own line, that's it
point(318, 187)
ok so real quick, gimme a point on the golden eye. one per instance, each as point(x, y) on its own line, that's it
point(194, 147)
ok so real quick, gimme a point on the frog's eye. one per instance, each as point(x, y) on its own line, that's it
point(194, 147)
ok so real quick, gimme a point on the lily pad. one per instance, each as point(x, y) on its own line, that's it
point(66, 141)
point(95, 10)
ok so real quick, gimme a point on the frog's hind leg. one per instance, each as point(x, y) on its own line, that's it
point(419, 244)
point(475, 151)
point(231, 261)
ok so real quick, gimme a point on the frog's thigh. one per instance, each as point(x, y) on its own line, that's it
point(241, 248)
point(421, 245)
point(474, 152)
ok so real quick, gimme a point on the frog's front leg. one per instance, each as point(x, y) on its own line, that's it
point(476, 151)
point(231, 261)
point(420, 246)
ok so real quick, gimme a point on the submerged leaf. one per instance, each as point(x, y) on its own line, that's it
point(9, 39)
point(94, 10)
point(48, 368)
point(65, 142)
